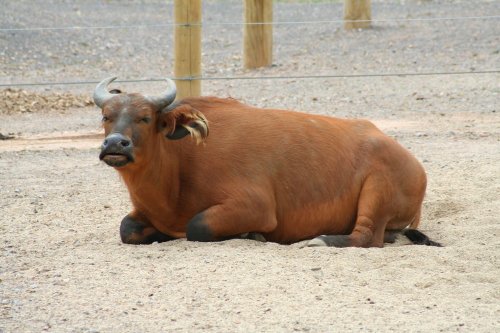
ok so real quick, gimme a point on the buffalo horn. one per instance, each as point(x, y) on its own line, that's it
point(166, 98)
point(101, 93)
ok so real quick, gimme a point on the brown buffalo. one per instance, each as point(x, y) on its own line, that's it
point(279, 175)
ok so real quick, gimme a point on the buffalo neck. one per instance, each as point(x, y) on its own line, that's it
point(154, 176)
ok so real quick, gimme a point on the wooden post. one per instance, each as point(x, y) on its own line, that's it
point(258, 38)
point(187, 42)
point(357, 10)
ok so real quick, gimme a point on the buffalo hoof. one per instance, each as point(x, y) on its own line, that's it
point(136, 232)
point(253, 236)
point(330, 240)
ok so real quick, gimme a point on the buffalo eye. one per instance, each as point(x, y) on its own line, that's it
point(145, 120)
point(105, 119)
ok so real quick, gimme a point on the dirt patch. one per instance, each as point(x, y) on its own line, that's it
point(54, 141)
point(20, 101)
point(63, 267)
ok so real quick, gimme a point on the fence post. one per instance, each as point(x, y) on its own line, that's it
point(258, 38)
point(357, 10)
point(187, 40)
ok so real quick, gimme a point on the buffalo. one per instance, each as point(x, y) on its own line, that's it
point(211, 169)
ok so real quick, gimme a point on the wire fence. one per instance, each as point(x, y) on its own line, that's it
point(229, 78)
point(206, 24)
point(257, 77)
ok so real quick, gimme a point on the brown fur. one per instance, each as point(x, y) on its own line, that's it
point(288, 175)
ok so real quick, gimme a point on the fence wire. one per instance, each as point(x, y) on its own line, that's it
point(222, 78)
point(274, 23)
point(206, 24)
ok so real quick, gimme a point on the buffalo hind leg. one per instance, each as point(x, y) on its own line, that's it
point(134, 231)
point(390, 236)
point(415, 236)
point(374, 211)
point(419, 238)
point(366, 233)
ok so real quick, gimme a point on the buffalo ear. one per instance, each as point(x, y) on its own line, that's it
point(183, 120)
point(178, 133)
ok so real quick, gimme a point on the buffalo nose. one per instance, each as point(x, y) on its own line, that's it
point(117, 140)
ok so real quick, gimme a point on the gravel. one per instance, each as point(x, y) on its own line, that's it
point(62, 265)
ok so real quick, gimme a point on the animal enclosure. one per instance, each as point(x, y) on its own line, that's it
point(62, 264)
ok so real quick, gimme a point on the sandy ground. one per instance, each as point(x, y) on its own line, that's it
point(64, 269)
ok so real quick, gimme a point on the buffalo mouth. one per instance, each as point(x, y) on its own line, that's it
point(116, 160)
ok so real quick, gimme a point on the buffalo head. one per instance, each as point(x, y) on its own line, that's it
point(133, 121)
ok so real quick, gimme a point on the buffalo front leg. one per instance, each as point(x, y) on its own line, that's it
point(232, 220)
point(136, 230)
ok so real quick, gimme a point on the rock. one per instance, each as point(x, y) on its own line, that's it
point(6, 137)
